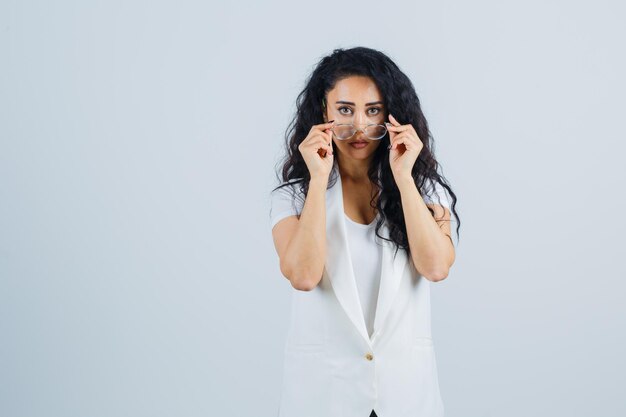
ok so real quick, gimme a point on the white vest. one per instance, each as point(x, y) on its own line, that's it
point(331, 366)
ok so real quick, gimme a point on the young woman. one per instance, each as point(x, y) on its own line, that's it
point(361, 225)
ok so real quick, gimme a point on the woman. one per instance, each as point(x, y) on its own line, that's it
point(359, 179)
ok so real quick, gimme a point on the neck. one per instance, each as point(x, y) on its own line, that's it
point(354, 170)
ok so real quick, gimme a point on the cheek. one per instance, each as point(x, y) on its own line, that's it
point(342, 145)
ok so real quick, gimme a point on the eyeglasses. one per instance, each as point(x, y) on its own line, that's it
point(344, 131)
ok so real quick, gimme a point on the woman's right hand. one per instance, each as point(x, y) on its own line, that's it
point(317, 150)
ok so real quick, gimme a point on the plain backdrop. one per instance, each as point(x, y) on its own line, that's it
point(138, 147)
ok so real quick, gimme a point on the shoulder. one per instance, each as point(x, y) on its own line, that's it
point(433, 192)
point(289, 190)
point(287, 199)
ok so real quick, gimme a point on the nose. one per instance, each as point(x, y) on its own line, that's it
point(360, 123)
point(360, 120)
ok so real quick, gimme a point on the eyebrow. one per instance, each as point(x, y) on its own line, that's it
point(351, 103)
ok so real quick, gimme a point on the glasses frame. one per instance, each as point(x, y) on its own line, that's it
point(357, 130)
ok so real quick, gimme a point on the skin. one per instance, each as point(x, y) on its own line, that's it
point(431, 246)
point(353, 163)
point(300, 242)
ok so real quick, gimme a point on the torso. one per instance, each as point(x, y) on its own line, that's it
point(356, 201)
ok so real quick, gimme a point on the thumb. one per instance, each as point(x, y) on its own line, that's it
point(392, 135)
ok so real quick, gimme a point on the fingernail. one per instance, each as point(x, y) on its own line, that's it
point(331, 121)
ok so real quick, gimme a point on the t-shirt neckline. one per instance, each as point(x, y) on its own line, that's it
point(365, 226)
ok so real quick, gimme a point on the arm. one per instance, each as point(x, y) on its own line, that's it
point(431, 246)
point(301, 244)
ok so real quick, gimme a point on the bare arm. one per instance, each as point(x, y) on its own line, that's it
point(301, 244)
point(431, 246)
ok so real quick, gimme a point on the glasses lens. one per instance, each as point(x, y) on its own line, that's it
point(343, 131)
point(375, 131)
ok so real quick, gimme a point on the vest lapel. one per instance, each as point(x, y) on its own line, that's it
point(340, 272)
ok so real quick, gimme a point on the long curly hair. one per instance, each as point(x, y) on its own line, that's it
point(400, 99)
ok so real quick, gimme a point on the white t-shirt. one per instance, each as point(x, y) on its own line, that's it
point(366, 262)
point(366, 254)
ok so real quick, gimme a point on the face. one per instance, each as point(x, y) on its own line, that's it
point(356, 100)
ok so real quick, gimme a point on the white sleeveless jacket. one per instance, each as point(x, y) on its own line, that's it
point(331, 366)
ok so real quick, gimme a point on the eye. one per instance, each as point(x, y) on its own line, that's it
point(371, 110)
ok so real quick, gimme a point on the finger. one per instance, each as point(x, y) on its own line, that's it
point(392, 140)
point(392, 136)
point(402, 139)
point(401, 128)
point(321, 145)
point(392, 133)
point(323, 152)
point(323, 126)
point(329, 136)
point(316, 137)
point(410, 127)
point(393, 120)
point(324, 139)
point(397, 142)
point(321, 140)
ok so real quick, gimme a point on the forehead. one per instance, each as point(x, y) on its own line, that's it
point(358, 89)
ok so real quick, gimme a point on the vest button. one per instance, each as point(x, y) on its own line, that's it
point(369, 356)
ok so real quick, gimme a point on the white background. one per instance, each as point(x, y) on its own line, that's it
point(138, 142)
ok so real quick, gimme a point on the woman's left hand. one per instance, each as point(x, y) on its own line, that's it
point(405, 147)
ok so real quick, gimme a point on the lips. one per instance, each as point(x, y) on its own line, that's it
point(359, 144)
